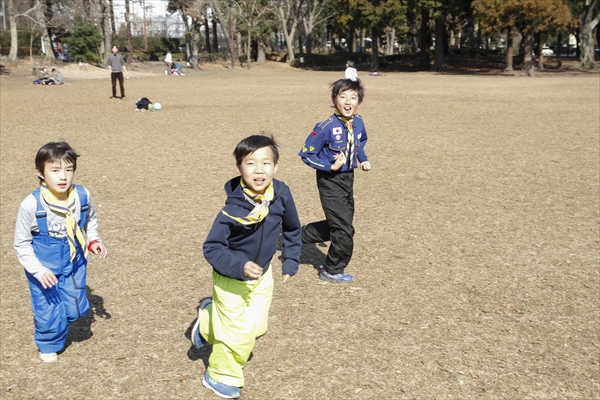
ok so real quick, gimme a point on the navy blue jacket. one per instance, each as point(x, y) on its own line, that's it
point(230, 244)
point(328, 138)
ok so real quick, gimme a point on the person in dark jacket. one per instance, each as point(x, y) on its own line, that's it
point(239, 247)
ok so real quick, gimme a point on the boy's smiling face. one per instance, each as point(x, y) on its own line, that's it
point(346, 103)
point(258, 169)
point(58, 176)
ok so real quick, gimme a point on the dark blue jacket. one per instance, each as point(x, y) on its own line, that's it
point(230, 244)
point(328, 138)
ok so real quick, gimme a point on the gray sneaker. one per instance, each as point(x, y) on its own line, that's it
point(339, 278)
point(220, 389)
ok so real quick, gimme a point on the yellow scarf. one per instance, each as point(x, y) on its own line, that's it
point(350, 137)
point(73, 230)
point(261, 204)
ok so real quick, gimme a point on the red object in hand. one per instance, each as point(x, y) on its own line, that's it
point(91, 243)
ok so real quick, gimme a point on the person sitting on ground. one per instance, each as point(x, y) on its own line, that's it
point(42, 77)
point(57, 77)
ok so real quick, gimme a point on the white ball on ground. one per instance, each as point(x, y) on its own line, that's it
point(157, 106)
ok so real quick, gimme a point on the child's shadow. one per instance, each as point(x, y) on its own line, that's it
point(311, 253)
point(81, 329)
point(194, 353)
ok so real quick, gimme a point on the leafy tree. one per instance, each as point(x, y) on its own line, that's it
point(251, 12)
point(85, 41)
point(529, 16)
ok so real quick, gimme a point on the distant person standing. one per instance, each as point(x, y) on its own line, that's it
point(168, 60)
point(116, 66)
point(351, 71)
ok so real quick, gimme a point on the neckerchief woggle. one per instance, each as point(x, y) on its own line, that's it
point(74, 232)
point(259, 201)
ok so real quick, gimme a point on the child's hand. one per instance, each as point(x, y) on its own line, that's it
point(340, 160)
point(98, 248)
point(252, 270)
point(48, 280)
point(286, 277)
point(365, 166)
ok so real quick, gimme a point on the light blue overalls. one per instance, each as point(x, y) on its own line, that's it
point(54, 308)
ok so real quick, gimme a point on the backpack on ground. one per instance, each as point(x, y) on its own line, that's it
point(143, 103)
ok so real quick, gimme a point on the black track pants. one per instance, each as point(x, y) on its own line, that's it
point(336, 190)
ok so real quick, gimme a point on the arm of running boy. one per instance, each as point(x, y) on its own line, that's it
point(26, 221)
point(292, 236)
point(363, 160)
point(95, 243)
point(216, 249)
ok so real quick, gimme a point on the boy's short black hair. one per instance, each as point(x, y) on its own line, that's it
point(342, 85)
point(55, 152)
point(350, 63)
point(251, 144)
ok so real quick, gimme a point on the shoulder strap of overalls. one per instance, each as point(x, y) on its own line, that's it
point(40, 213)
point(83, 201)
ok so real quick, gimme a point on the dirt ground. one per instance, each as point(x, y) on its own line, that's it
point(477, 235)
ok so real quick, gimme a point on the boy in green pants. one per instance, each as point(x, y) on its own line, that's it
point(239, 247)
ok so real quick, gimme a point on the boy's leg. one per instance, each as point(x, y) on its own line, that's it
point(260, 302)
point(113, 81)
point(48, 315)
point(73, 291)
point(121, 86)
point(337, 199)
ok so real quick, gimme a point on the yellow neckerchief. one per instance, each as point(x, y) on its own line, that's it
point(260, 201)
point(350, 136)
point(73, 230)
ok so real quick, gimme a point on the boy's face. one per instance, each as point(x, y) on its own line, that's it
point(58, 177)
point(258, 169)
point(114, 49)
point(347, 103)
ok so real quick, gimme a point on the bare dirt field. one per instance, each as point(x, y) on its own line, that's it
point(477, 235)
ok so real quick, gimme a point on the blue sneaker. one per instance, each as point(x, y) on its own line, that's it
point(339, 278)
point(197, 339)
point(221, 390)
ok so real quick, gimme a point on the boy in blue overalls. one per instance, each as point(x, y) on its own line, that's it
point(335, 148)
point(239, 247)
point(51, 244)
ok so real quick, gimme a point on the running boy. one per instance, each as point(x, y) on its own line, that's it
point(51, 244)
point(335, 148)
point(239, 247)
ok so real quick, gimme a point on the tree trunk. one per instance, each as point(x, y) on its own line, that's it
point(540, 47)
point(588, 21)
point(194, 45)
point(558, 46)
point(14, 40)
point(309, 40)
point(248, 49)
point(374, 49)
point(508, 57)
point(261, 59)
point(424, 54)
point(207, 36)
point(528, 55)
point(215, 35)
point(114, 38)
point(105, 46)
point(438, 65)
point(390, 34)
point(42, 27)
point(350, 40)
point(128, 23)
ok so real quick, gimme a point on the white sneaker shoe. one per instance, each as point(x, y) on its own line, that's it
point(49, 357)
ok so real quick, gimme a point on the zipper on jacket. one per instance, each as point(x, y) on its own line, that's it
point(262, 228)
